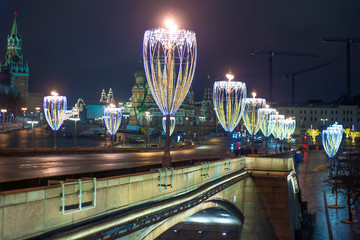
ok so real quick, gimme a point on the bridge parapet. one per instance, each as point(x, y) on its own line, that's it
point(270, 164)
point(32, 212)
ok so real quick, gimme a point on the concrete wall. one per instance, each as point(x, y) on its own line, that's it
point(29, 212)
point(262, 200)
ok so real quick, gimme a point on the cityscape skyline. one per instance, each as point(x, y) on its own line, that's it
point(65, 54)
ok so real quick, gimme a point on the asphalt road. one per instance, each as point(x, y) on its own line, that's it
point(19, 168)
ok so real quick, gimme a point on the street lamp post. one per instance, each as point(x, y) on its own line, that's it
point(169, 60)
point(112, 119)
point(228, 102)
point(323, 120)
point(24, 114)
point(32, 131)
point(3, 112)
point(147, 128)
point(252, 117)
point(75, 120)
point(38, 112)
point(55, 111)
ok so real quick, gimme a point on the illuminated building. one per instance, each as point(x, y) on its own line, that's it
point(14, 73)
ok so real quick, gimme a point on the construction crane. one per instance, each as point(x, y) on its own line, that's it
point(348, 42)
point(294, 74)
point(273, 53)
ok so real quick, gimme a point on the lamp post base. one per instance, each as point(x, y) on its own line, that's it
point(166, 160)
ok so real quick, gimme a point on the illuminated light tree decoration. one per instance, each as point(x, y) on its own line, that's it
point(169, 61)
point(354, 135)
point(112, 119)
point(251, 116)
point(172, 124)
point(347, 132)
point(266, 126)
point(228, 100)
point(313, 133)
point(274, 120)
point(54, 110)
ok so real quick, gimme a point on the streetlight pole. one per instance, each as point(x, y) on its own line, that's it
point(24, 112)
point(75, 120)
point(147, 128)
point(32, 131)
point(323, 122)
point(3, 111)
point(178, 60)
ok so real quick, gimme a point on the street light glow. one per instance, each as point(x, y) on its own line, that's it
point(171, 25)
point(229, 76)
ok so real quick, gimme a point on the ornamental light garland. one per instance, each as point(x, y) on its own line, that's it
point(55, 111)
point(266, 126)
point(169, 61)
point(112, 118)
point(290, 127)
point(331, 139)
point(228, 99)
point(252, 117)
point(172, 124)
point(275, 119)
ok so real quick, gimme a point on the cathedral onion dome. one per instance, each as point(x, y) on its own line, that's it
point(139, 72)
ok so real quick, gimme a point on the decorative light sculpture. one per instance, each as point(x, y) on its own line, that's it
point(354, 135)
point(172, 124)
point(112, 119)
point(277, 130)
point(169, 61)
point(290, 127)
point(313, 133)
point(266, 126)
point(347, 132)
point(54, 110)
point(331, 140)
point(228, 100)
point(251, 116)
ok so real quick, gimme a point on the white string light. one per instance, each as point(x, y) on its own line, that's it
point(251, 116)
point(228, 99)
point(172, 124)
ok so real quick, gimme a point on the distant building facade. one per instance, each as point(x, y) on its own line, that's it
point(189, 114)
point(14, 74)
point(320, 115)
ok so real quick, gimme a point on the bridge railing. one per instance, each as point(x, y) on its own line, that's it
point(34, 211)
point(270, 164)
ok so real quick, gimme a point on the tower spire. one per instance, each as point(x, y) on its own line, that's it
point(14, 30)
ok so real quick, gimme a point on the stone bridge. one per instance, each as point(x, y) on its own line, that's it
point(261, 192)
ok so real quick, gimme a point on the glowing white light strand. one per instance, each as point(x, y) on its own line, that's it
point(228, 102)
point(169, 61)
point(289, 128)
point(112, 119)
point(276, 121)
point(266, 127)
point(172, 124)
point(331, 139)
point(54, 110)
point(251, 116)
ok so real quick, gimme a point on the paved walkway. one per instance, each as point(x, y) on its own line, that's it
point(312, 185)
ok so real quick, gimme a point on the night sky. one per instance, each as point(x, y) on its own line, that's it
point(80, 47)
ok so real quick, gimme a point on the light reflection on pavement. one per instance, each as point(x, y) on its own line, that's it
point(312, 185)
point(15, 168)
